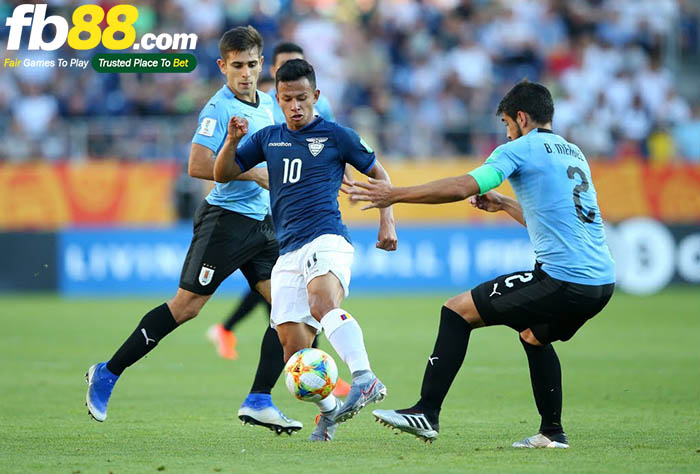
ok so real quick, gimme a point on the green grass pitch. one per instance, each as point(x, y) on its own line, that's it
point(631, 394)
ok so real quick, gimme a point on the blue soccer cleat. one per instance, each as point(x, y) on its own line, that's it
point(100, 384)
point(258, 409)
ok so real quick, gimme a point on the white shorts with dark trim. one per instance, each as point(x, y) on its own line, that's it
point(294, 270)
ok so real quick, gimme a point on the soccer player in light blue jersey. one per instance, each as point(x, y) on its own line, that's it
point(232, 230)
point(306, 158)
point(574, 274)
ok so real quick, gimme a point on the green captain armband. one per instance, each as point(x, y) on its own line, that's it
point(487, 177)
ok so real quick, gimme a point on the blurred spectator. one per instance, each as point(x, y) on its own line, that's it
point(686, 136)
point(436, 68)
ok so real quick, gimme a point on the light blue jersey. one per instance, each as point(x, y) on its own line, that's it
point(552, 182)
point(243, 197)
point(322, 108)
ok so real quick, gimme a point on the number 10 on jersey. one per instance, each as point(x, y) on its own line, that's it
point(292, 170)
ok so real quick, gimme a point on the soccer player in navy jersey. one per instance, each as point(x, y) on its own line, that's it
point(574, 274)
point(232, 230)
point(222, 335)
point(306, 158)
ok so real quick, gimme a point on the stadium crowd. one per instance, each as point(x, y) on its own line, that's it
point(416, 78)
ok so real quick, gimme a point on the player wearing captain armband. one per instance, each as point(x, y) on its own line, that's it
point(574, 274)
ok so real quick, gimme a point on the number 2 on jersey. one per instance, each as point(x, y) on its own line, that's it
point(578, 189)
point(292, 170)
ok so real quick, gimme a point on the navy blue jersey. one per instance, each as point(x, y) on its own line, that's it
point(306, 171)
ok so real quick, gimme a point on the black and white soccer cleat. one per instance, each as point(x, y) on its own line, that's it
point(409, 420)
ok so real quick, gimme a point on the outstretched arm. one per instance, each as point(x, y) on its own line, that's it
point(382, 194)
point(225, 167)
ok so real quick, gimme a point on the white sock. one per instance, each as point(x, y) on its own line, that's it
point(327, 404)
point(345, 335)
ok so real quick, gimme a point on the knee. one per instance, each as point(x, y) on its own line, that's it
point(320, 305)
point(529, 337)
point(185, 308)
point(464, 306)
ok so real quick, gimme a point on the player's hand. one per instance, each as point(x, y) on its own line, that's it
point(387, 239)
point(237, 127)
point(489, 202)
point(376, 191)
point(346, 188)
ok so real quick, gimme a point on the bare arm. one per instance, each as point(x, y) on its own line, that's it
point(382, 194)
point(494, 202)
point(201, 162)
point(201, 165)
point(387, 239)
point(225, 167)
point(257, 174)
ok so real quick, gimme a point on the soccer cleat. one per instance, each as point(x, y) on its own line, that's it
point(326, 424)
point(365, 389)
point(258, 409)
point(410, 420)
point(342, 388)
point(100, 384)
point(224, 340)
point(544, 441)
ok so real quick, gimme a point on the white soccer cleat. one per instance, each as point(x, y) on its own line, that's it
point(541, 441)
point(258, 409)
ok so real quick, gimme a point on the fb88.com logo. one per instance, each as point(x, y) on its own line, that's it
point(86, 32)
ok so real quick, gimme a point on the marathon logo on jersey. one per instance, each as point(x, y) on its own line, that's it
point(207, 127)
point(206, 274)
point(316, 145)
point(284, 144)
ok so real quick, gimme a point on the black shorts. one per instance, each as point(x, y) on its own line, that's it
point(223, 242)
point(552, 309)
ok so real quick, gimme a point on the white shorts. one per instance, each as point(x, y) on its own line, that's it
point(294, 270)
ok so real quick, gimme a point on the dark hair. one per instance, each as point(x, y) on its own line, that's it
point(529, 97)
point(287, 47)
point(296, 69)
point(242, 38)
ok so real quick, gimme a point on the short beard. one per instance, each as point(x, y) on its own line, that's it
point(520, 130)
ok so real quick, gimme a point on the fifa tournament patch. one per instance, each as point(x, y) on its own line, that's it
point(207, 127)
point(206, 274)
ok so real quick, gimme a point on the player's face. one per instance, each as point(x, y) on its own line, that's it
point(513, 130)
point(281, 59)
point(242, 69)
point(297, 99)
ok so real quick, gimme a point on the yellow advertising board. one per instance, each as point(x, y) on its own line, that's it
point(50, 196)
